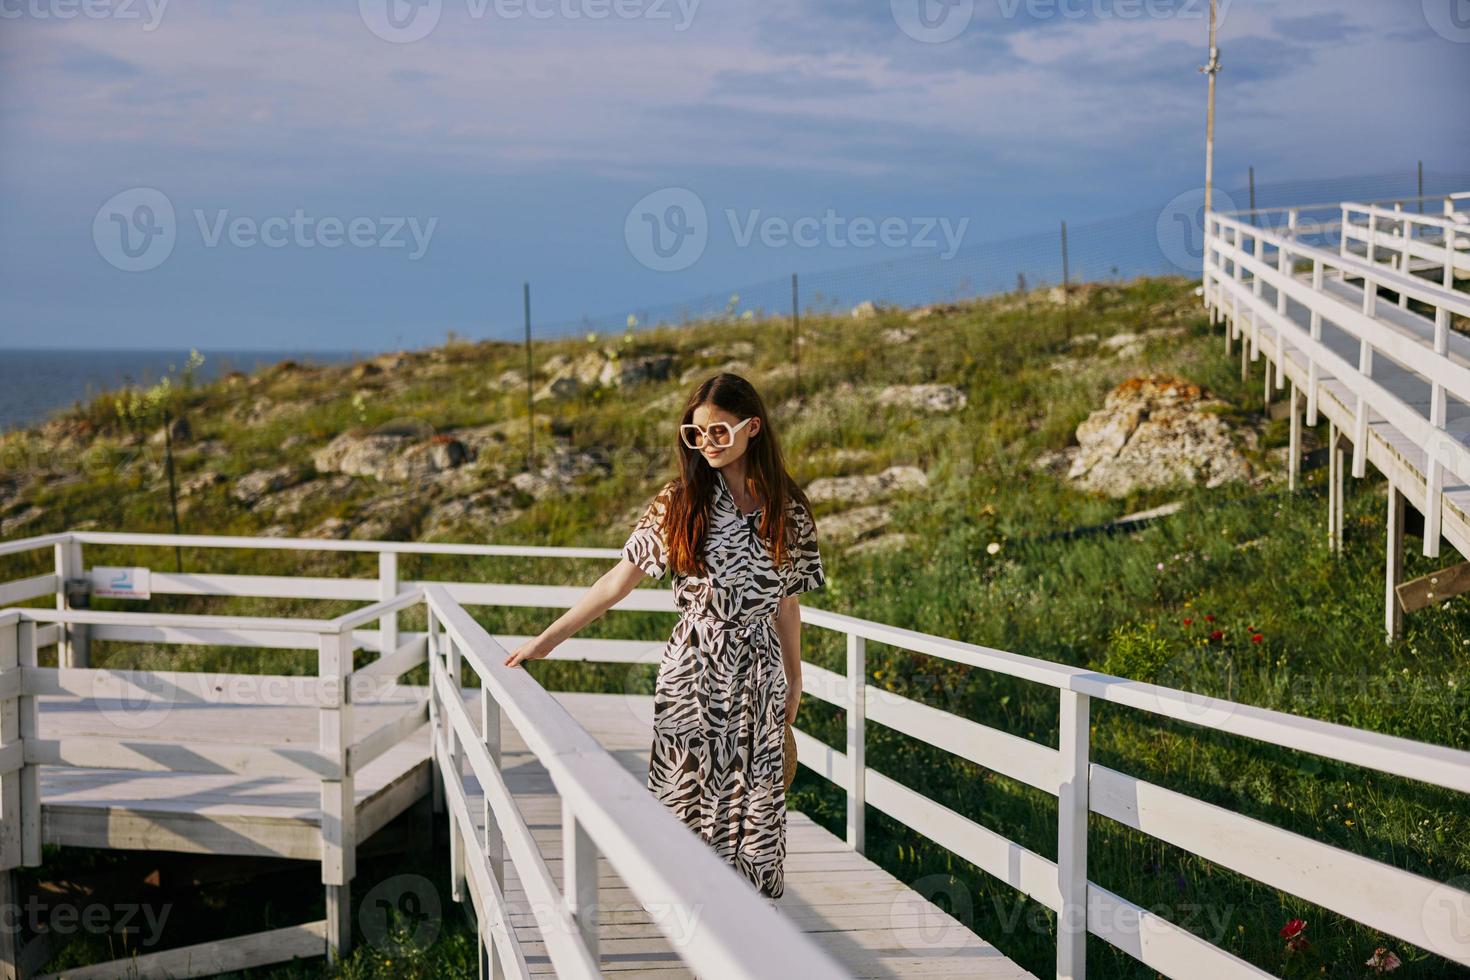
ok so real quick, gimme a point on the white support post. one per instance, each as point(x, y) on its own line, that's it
point(857, 766)
point(494, 839)
point(71, 643)
point(455, 754)
point(1072, 810)
point(1434, 478)
point(1334, 488)
point(1393, 617)
point(579, 879)
point(12, 760)
point(387, 589)
point(30, 775)
point(1257, 284)
point(1401, 261)
point(1294, 441)
point(1284, 266)
point(339, 809)
point(1365, 367)
point(436, 716)
point(1316, 328)
point(1235, 273)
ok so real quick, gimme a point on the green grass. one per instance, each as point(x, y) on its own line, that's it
point(1253, 558)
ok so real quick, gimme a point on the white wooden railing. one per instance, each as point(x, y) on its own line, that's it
point(725, 930)
point(1242, 259)
point(607, 812)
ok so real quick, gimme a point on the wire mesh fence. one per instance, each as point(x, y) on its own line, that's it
point(1165, 240)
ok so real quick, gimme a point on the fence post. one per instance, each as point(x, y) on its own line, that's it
point(436, 713)
point(1318, 275)
point(579, 879)
point(1365, 367)
point(12, 758)
point(339, 808)
point(494, 839)
point(71, 642)
point(857, 684)
point(1072, 811)
point(455, 754)
point(387, 589)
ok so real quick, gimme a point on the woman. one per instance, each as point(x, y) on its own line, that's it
point(729, 681)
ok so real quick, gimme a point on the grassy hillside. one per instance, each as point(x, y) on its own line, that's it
point(1235, 595)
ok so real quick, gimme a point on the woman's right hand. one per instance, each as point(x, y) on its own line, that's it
point(530, 650)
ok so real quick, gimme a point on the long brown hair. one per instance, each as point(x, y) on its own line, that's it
point(686, 515)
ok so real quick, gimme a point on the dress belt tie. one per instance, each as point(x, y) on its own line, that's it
point(728, 626)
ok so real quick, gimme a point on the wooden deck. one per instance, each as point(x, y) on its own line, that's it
point(1388, 449)
point(872, 923)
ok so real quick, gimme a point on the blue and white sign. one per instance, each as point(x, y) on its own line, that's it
point(120, 583)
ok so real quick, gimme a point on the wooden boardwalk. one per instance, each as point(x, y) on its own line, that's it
point(872, 923)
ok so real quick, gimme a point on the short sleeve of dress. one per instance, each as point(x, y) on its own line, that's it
point(804, 571)
point(646, 546)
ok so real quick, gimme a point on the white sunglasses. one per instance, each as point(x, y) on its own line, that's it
point(721, 435)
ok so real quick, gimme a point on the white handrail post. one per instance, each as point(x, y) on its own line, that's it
point(1365, 367)
point(579, 880)
point(455, 754)
point(1284, 265)
point(1072, 811)
point(857, 767)
point(12, 759)
point(71, 642)
point(387, 589)
point(494, 837)
point(1258, 249)
point(1316, 330)
point(1404, 237)
point(436, 713)
point(339, 808)
point(1434, 477)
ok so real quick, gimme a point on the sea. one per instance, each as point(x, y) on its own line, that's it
point(36, 382)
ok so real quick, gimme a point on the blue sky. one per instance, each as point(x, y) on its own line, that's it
point(338, 181)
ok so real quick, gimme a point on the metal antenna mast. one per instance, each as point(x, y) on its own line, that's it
point(1211, 69)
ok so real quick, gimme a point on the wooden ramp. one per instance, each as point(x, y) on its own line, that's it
point(207, 812)
point(873, 924)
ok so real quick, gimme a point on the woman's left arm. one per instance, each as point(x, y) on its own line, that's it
point(788, 631)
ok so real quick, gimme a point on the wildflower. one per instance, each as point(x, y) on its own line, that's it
point(1383, 960)
point(1159, 566)
point(1293, 928)
point(1216, 634)
point(1255, 638)
point(1209, 618)
point(1188, 621)
point(992, 548)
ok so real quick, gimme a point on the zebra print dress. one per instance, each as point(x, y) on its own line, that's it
point(719, 707)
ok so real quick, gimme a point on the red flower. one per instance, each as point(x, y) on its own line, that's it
point(1188, 622)
point(1209, 618)
point(1216, 634)
point(1255, 638)
point(1293, 928)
